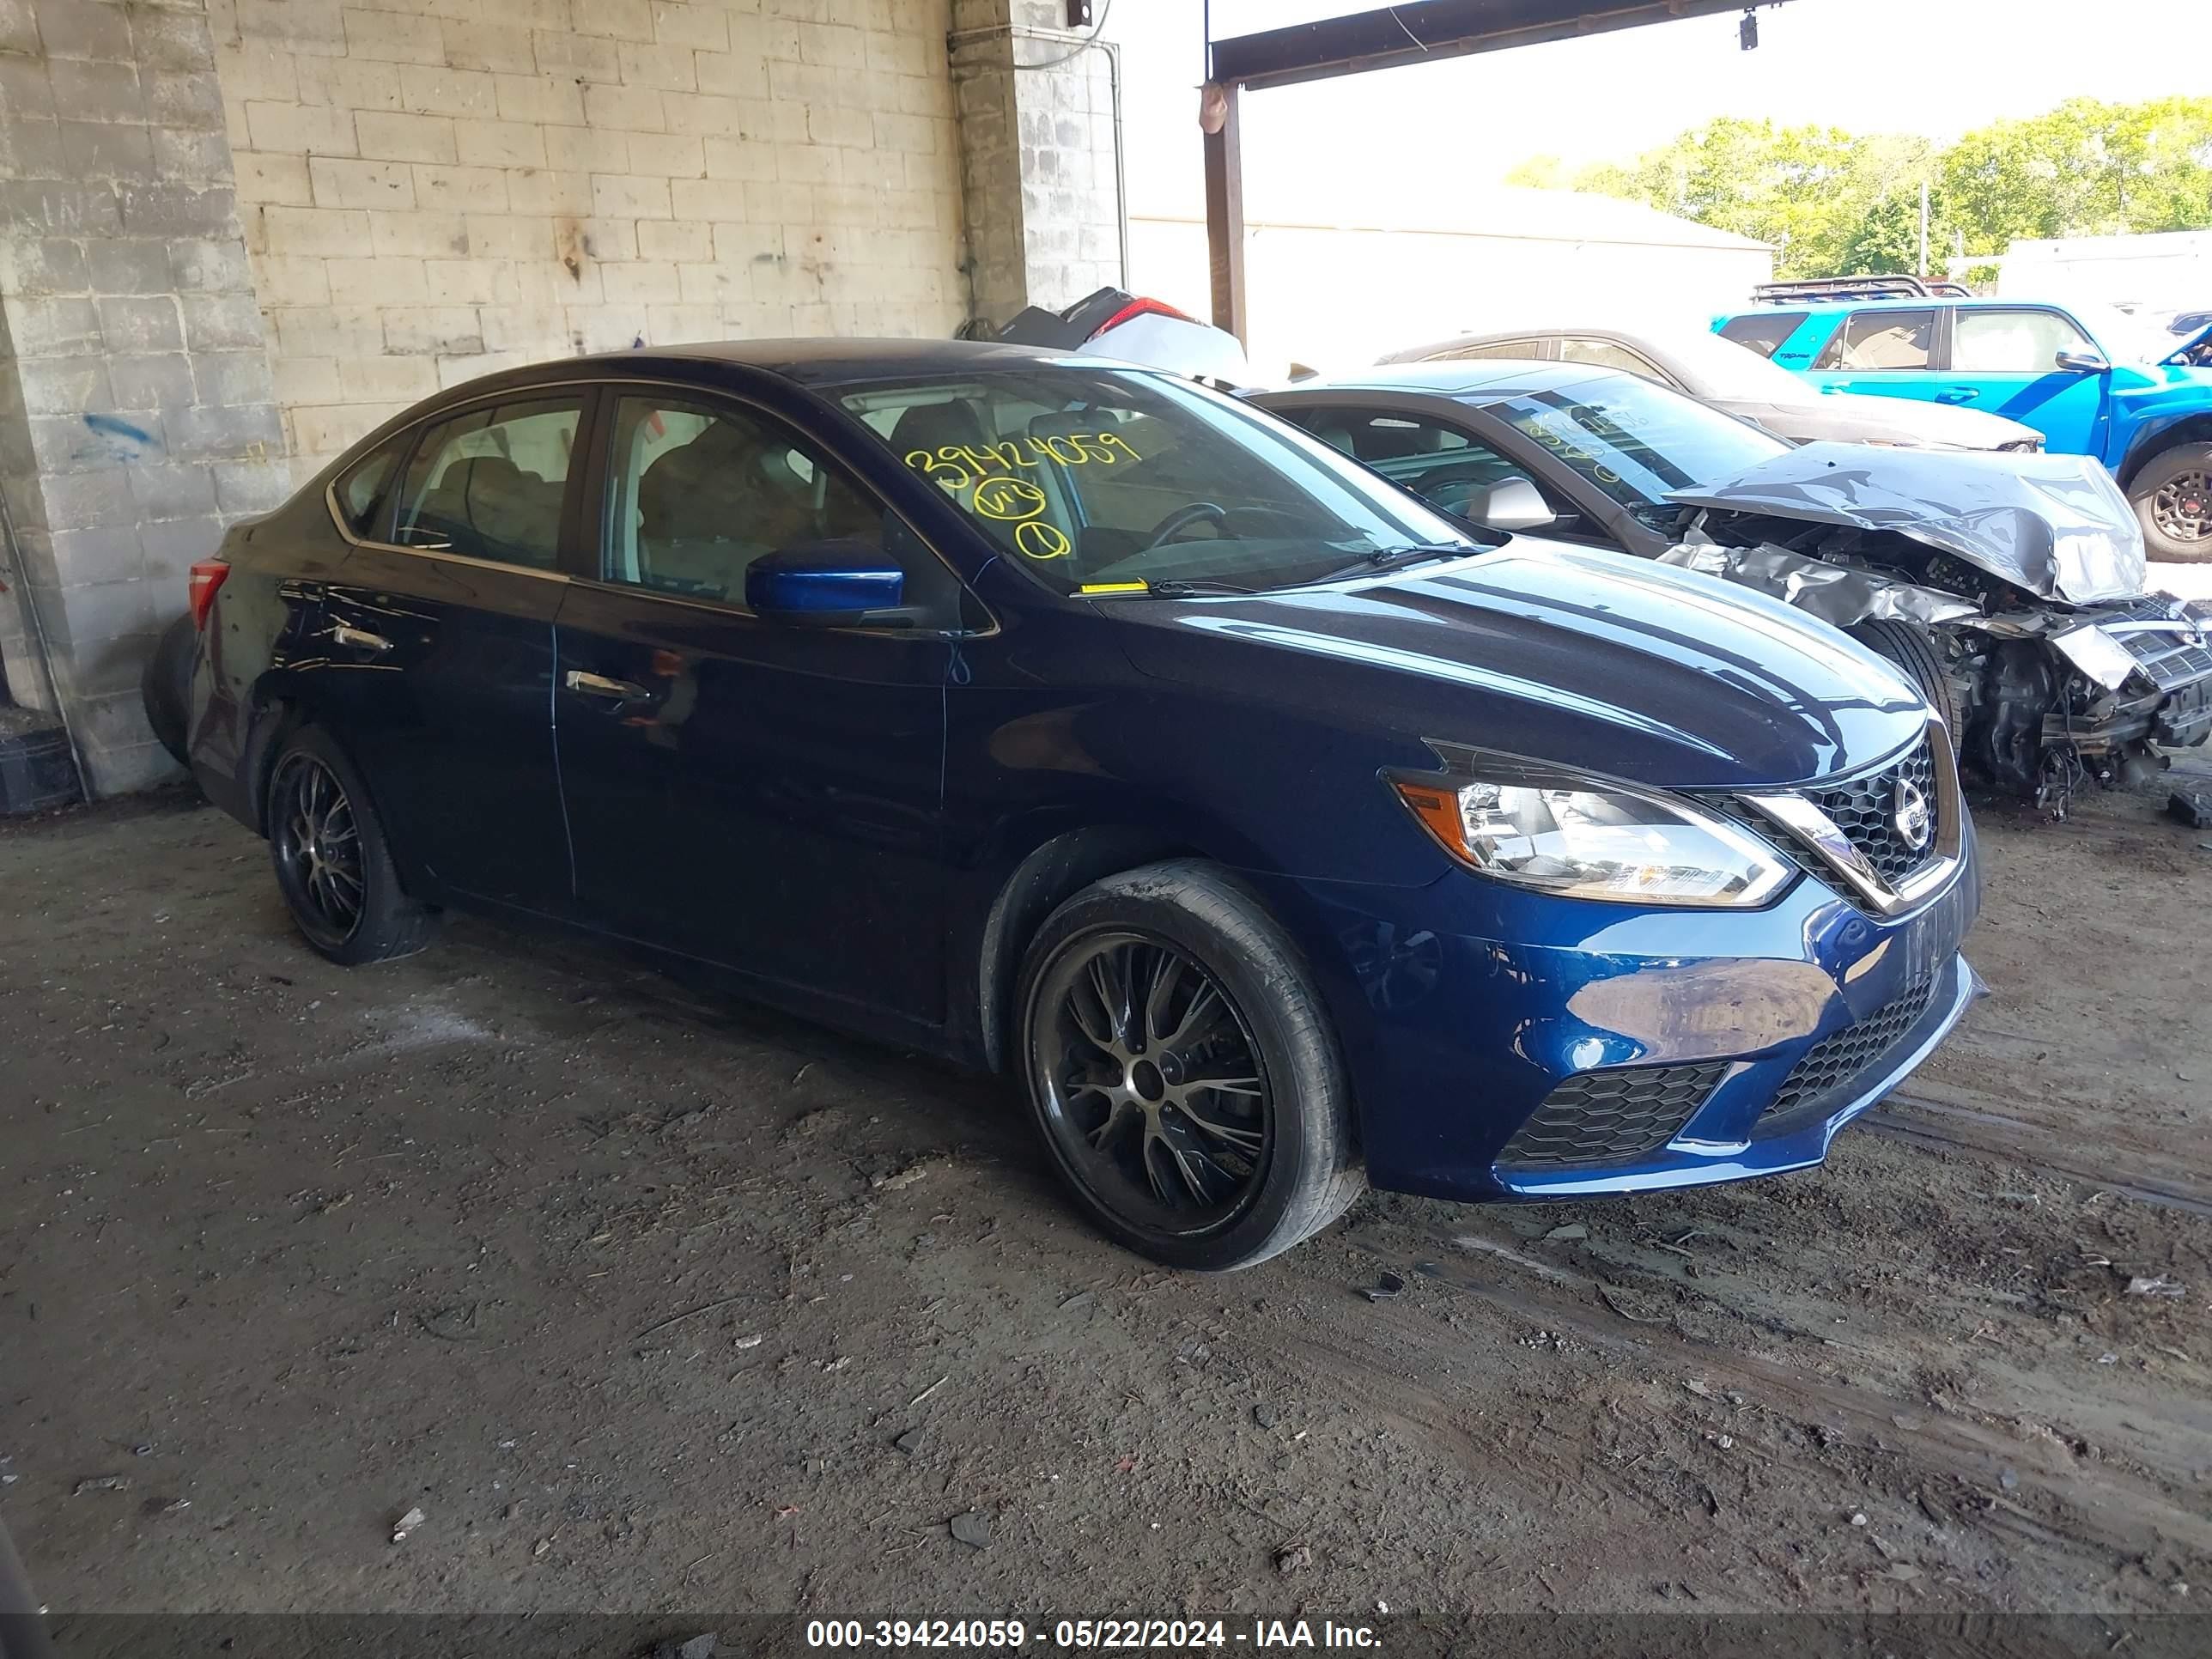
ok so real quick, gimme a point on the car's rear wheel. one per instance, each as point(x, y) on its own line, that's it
point(333, 865)
point(2173, 495)
point(1913, 649)
point(1183, 1071)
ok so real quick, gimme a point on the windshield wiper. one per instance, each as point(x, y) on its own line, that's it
point(1392, 558)
point(1176, 587)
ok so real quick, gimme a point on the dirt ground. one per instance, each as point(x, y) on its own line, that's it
point(651, 1301)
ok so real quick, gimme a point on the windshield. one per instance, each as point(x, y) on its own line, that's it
point(2124, 338)
point(1635, 440)
point(1105, 478)
point(1713, 366)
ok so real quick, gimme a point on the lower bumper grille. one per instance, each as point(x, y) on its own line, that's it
point(1610, 1117)
point(1830, 1066)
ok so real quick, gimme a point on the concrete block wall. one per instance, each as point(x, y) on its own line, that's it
point(136, 408)
point(433, 189)
point(1041, 188)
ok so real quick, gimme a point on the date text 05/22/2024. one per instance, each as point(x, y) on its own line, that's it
point(1089, 1634)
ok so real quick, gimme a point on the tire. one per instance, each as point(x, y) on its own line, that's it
point(2171, 490)
point(1276, 1158)
point(1912, 648)
point(165, 686)
point(333, 865)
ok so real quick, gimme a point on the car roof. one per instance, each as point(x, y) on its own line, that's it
point(822, 362)
point(1472, 381)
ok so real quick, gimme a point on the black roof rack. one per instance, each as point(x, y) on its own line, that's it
point(1861, 288)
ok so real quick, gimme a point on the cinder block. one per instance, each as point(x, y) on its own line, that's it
point(135, 265)
point(548, 193)
point(302, 380)
point(675, 242)
point(388, 380)
point(712, 284)
point(375, 282)
point(586, 149)
point(666, 67)
point(339, 182)
point(300, 128)
point(432, 331)
point(448, 91)
point(282, 280)
point(640, 285)
point(256, 71)
point(172, 209)
point(223, 322)
point(63, 385)
point(171, 491)
point(419, 234)
point(631, 109)
point(336, 331)
point(242, 486)
point(506, 236)
point(679, 325)
point(263, 177)
point(551, 100)
point(87, 501)
point(233, 377)
point(778, 36)
point(140, 323)
point(162, 39)
point(390, 136)
point(833, 46)
point(704, 27)
point(224, 432)
point(666, 155)
point(461, 190)
point(162, 380)
point(488, 46)
point(353, 83)
point(171, 548)
point(97, 92)
point(84, 28)
point(576, 57)
point(92, 149)
point(515, 329)
point(739, 158)
point(847, 129)
point(695, 113)
point(627, 20)
point(467, 281)
point(339, 233)
point(189, 99)
point(187, 157)
point(209, 265)
point(88, 557)
point(732, 74)
point(614, 196)
point(499, 144)
point(394, 37)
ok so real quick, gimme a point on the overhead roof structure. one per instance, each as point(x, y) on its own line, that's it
point(1419, 32)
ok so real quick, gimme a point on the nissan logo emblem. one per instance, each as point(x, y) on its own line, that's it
point(1915, 824)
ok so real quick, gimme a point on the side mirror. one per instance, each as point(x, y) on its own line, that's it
point(2084, 362)
point(1512, 503)
point(833, 583)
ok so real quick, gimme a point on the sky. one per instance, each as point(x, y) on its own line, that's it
point(1936, 67)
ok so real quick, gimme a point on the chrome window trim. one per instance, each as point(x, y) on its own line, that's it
point(1808, 825)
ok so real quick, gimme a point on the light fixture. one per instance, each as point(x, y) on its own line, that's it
point(1746, 32)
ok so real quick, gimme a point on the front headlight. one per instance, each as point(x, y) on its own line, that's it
point(1586, 837)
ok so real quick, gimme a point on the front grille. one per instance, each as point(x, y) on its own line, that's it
point(1865, 809)
point(2172, 661)
point(1837, 1060)
point(1609, 1117)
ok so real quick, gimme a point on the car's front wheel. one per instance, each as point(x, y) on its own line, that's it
point(1182, 1069)
point(1913, 650)
point(333, 864)
point(2173, 495)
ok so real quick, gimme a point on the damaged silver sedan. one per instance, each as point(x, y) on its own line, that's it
point(2012, 588)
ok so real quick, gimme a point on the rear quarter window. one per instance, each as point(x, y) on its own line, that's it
point(1762, 332)
point(363, 492)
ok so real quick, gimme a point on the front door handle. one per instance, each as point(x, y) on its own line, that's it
point(1957, 394)
point(359, 638)
point(598, 685)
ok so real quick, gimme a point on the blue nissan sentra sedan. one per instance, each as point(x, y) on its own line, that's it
point(1069, 719)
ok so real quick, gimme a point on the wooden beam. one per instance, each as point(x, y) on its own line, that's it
point(1224, 218)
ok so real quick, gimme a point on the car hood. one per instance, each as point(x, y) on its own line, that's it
point(2055, 525)
point(1846, 417)
point(1594, 660)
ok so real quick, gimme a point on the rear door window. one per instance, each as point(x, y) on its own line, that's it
point(1879, 340)
point(2000, 340)
point(1513, 348)
point(1606, 354)
point(1762, 332)
point(1441, 464)
point(364, 492)
point(489, 482)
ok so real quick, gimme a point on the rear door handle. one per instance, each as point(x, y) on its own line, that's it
point(1957, 394)
point(598, 685)
point(359, 638)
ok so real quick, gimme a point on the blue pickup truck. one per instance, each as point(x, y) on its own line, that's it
point(2094, 380)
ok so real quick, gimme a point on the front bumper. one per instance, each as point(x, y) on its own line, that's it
point(1504, 1045)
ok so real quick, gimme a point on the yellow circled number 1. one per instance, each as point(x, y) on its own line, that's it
point(1038, 539)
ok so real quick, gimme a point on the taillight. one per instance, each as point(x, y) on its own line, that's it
point(207, 576)
point(1140, 309)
